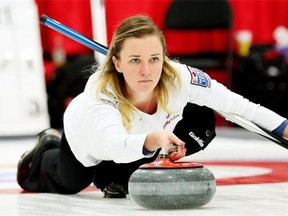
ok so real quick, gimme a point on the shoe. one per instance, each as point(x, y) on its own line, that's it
point(47, 136)
point(114, 190)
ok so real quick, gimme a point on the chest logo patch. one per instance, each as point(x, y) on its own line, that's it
point(199, 78)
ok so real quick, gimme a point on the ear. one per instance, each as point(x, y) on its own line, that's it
point(116, 64)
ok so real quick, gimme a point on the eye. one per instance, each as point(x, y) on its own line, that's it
point(154, 59)
point(135, 60)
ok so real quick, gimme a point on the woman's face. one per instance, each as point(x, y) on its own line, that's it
point(141, 61)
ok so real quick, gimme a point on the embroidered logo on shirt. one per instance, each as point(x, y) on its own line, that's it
point(113, 101)
point(199, 78)
point(107, 101)
point(169, 119)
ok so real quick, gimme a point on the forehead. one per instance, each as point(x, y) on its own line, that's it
point(146, 45)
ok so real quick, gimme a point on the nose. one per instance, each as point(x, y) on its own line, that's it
point(145, 69)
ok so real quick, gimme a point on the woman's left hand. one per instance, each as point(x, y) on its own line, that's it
point(285, 134)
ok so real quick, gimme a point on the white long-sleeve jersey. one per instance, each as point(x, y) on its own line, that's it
point(95, 132)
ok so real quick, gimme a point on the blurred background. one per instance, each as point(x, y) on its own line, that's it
point(241, 43)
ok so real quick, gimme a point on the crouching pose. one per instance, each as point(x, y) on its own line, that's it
point(137, 102)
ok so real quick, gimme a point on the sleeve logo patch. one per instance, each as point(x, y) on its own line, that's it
point(199, 78)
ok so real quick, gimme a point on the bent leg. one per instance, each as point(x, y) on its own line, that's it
point(108, 172)
point(56, 170)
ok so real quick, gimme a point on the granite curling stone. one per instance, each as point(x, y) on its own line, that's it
point(171, 185)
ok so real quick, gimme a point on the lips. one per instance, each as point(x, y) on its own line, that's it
point(145, 81)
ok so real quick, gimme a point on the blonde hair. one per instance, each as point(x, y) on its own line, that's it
point(138, 27)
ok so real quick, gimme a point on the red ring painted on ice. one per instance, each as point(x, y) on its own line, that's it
point(278, 174)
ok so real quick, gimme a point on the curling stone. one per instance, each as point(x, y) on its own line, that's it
point(164, 184)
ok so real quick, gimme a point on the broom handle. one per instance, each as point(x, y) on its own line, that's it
point(57, 26)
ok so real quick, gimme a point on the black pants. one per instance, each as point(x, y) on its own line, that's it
point(56, 170)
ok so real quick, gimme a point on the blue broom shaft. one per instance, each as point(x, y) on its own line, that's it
point(57, 26)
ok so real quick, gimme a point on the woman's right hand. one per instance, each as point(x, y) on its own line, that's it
point(164, 139)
